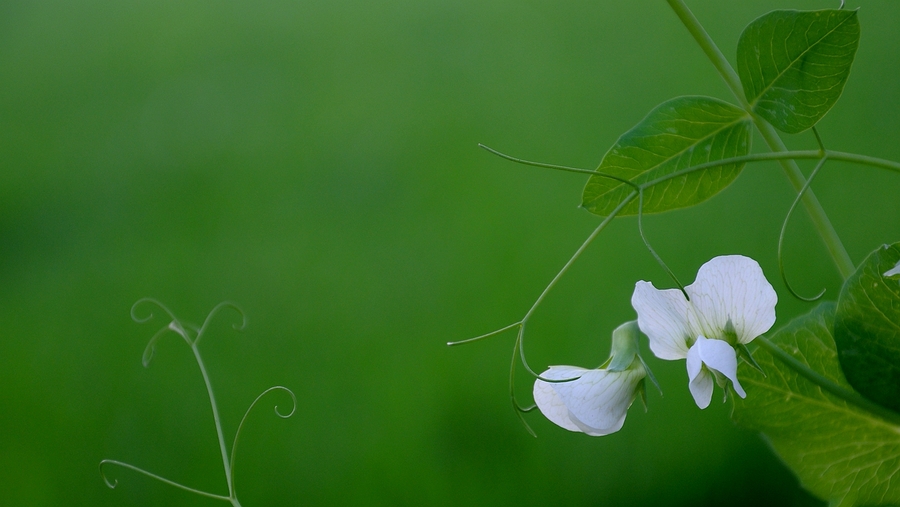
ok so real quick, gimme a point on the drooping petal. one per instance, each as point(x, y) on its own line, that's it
point(548, 399)
point(731, 287)
point(596, 403)
point(663, 317)
point(700, 379)
point(720, 356)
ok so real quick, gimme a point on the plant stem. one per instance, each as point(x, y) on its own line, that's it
point(219, 434)
point(577, 254)
point(816, 213)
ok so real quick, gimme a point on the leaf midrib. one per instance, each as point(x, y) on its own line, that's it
point(744, 117)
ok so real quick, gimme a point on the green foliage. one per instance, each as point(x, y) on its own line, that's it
point(867, 328)
point(678, 134)
point(838, 451)
point(794, 64)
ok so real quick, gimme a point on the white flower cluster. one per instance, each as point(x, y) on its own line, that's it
point(730, 303)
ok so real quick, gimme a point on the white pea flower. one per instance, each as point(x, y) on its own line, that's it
point(597, 400)
point(731, 303)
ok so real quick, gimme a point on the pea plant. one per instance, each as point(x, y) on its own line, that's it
point(823, 388)
point(191, 336)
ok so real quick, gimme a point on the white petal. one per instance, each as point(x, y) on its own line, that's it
point(700, 380)
point(548, 399)
point(732, 287)
point(662, 316)
point(595, 404)
point(720, 356)
point(599, 400)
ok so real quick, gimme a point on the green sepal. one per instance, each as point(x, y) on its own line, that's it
point(624, 346)
point(744, 353)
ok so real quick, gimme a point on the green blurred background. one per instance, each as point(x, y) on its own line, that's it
point(316, 163)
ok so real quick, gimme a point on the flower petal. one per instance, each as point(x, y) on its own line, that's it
point(548, 399)
point(595, 404)
point(720, 356)
point(663, 317)
point(732, 287)
point(700, 380)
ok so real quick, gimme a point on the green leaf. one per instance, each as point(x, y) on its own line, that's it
point(793, 64)
point(867, 328)
point(680, 133)
point(839, 452)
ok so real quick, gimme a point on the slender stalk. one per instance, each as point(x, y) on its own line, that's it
point(557, 167)
point(487, 335)
point(827, 384)
point(215, 411)
point(577, 254)
point(816, 213)
point(154, 476)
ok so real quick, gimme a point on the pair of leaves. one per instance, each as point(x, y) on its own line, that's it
point(839, 450)
point(792, 65)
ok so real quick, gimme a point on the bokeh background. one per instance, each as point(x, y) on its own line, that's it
point(316, 162)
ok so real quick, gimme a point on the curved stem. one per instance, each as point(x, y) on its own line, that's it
point(827, 384)
point(792, 171)
point(520, 339)
point(578, 253)
point(215, 412)
point(154, 476)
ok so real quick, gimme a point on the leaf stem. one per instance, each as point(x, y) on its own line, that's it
point(827, 384)
point(816, 213)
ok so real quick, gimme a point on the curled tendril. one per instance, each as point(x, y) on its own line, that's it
point(154, 302)
point(179, 328)
point(114, 483)
point(237, 434)
point(215, 310)
point(784, 229)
